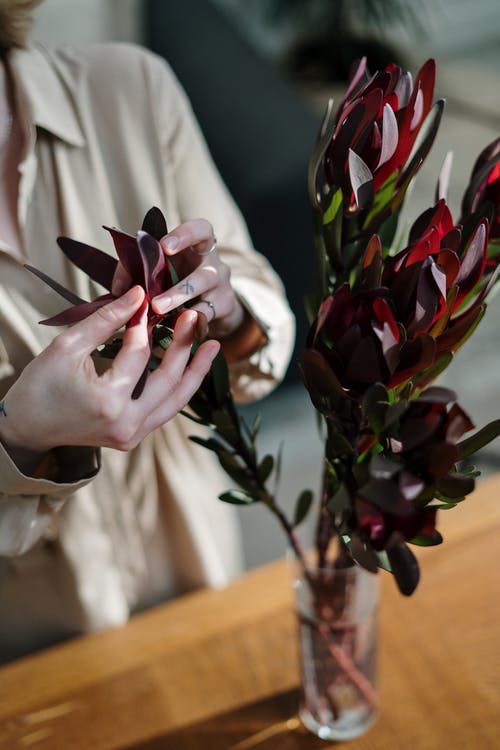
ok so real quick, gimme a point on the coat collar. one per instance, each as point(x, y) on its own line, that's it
point(49, 83)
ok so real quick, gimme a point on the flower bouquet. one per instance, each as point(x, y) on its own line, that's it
point(389, 310)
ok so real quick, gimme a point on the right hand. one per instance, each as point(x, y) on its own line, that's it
point(59, 399)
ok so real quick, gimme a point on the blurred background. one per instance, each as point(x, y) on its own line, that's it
point(259, 74)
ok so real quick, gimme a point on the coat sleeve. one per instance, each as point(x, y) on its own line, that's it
point(200, 192)
point(27, 503)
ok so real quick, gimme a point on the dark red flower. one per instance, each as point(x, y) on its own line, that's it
point(483, 191)
point(393, 495)
point(141, 256)
point(442, 265)
point(357, 336)
point(376, 127)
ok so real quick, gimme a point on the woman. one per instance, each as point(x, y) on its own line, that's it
point(88, 536)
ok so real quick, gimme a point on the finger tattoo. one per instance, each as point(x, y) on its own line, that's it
point(187, 287)
point(3, 410)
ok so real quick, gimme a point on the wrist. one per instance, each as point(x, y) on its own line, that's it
point(245, 340)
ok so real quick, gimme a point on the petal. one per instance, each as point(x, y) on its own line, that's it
point(361, 180)
point(443, 182)
point(418, 110)
point(473, 260)
point(403, 89)
point(390, 135)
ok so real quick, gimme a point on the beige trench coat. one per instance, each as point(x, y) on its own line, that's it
point(110, 134)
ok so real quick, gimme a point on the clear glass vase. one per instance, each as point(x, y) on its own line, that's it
point(337, 618)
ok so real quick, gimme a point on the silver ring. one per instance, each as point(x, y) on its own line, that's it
point(211, 249)
point(211, 306)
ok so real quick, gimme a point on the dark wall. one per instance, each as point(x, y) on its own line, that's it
point(259, 129)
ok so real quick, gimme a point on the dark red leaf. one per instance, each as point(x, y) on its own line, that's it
point(97, 265)
point(404, 564)
point(78, 312)
point(156, 270)
point(69, 296)
point(128, 253)
point(155, 223)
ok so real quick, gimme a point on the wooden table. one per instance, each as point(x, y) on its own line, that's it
point(217, 670)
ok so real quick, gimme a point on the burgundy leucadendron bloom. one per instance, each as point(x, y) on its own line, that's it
point(431, 278)
point(394, 502)
point(484, 187)
point(376, 127)
point(141, 256)
point(357, 336)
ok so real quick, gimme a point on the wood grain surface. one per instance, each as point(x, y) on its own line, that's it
point(217, 670)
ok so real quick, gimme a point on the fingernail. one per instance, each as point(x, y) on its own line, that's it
point(216, 349)
point(161, 304)
point(131, 296)
point(170, 243)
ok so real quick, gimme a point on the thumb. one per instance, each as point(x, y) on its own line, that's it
point(86, 335)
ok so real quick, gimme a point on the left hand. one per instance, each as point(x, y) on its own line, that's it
point(204, 278)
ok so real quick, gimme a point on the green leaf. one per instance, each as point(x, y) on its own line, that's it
point(278, 465)
point(383, 561)
point(381, 199)
point(333, 207)
point(425, 540)
point(454, 486)
point(265, 468)
point(302, 506)
point(200, 407)
point(211, 443)
point(173, 272)
point(237, 497)
point(236, 472)
point(481, 438)
point(256, 426)
point(220, 380)
point(192, 417)
point(225, 426)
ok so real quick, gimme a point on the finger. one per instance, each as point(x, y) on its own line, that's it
point(188, 385)
point(166, 377)
point(121, 280)
point(95, 330)
point(134, 354)
point(216, 304)
point(190, 234)
point(200, 281)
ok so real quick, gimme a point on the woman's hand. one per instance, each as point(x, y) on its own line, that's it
point(205, 278)
point(59, 399)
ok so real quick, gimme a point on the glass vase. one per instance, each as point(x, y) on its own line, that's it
point(337, 619)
